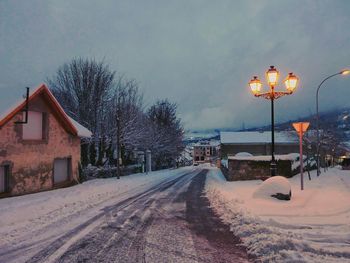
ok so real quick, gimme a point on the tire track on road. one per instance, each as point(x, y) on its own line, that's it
point(124, 242)
point(51, 252)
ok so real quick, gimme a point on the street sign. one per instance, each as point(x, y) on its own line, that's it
point(301, 128)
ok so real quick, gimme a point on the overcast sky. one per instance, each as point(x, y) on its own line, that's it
point(200, 54)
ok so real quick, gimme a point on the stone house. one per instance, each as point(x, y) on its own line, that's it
point(43, 153)
point(257, 143)
point(206, 151)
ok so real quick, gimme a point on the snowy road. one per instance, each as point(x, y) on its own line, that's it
point(166, 222)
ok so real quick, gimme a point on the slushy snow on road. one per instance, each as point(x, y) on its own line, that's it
point(51, 213)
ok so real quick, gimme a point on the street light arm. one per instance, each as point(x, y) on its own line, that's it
point(318, 89)
point(319, 86)
point(274, 95)
point(318, 121)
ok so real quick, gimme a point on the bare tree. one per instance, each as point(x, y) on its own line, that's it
point(126, 107)
point(113, 110)
point(83, 86)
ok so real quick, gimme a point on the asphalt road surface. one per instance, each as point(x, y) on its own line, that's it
point(170, 222)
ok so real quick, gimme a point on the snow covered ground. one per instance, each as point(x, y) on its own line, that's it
point(50, 213)
point(313, 227)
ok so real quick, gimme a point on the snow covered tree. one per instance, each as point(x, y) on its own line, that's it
point(165, 138)
point(126, 106)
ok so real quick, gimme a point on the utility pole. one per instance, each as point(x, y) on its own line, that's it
point(118, 141)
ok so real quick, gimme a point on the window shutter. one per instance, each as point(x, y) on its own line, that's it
point(33, 130)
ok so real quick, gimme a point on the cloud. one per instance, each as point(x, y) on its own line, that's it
point(208, 118)
point(200, 54)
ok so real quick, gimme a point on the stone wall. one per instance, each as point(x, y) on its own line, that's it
point(254, 170)
point(31, 162)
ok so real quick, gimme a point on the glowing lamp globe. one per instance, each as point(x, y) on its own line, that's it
point(345, 72)
point(291, 82)
point(272, 76)
point(255, 85)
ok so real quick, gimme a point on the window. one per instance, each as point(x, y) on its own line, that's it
point(4, 178)
point(33, 130)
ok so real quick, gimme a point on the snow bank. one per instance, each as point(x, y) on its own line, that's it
point(313, 227)
point(273, 186)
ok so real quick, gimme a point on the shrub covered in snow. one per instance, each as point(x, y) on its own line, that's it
point(224, 163)
point(308, 164)
point(91, 172)
point(277, 186)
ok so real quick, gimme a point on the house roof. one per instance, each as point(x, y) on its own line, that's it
point(255, 137)
point(82, 131)
point(13, 102)
point(288, 157)
point(207, 143)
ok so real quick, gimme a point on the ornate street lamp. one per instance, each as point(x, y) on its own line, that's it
point(343, 72)
point(255, 85)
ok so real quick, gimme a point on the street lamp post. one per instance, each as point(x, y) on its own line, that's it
point(272, 78)
point(343, 72)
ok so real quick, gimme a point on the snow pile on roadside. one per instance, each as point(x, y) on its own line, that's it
point(272, 186)
point(304, 229)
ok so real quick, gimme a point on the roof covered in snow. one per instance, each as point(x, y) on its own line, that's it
point(200, 135)
point(12, 101)
point(288, 157)
point(207, 143)
point(252, 137)
point(82, 131)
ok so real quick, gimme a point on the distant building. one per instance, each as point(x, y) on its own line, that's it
point(42, 153)
point(206, 151)
point(257, 143)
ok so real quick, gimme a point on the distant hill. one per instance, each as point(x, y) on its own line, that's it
point(328, 120)
point(336, 122)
